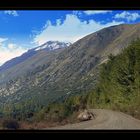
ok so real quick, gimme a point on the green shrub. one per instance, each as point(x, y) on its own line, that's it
point(10, 124)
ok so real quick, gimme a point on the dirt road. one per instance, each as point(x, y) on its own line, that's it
point(105, 119)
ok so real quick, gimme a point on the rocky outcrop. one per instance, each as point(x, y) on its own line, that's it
point(85, 116)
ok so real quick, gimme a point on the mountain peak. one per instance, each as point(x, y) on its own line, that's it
point(52, 45)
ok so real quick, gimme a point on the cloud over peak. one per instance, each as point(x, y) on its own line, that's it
point(70, 30)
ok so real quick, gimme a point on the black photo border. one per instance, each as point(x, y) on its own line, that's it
point(69, 5)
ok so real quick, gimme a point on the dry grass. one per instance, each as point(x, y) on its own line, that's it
point(48, 123)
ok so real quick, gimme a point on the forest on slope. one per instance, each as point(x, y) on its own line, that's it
point(119, 84)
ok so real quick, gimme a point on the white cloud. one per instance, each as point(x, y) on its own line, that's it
point(77, 13)
point(9, 52)
point(2, 40)
point(11, 12)
point(70, 30)
point(93, 12)
point(128, 16)
point(12, 46)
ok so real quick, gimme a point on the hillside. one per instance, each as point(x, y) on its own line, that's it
point(55, 75)
point(29, 60)
point(119, 84)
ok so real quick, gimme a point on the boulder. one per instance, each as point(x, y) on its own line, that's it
point(85, 116)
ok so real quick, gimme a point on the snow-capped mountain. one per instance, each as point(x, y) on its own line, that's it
point(48, 46)
point(52, 45)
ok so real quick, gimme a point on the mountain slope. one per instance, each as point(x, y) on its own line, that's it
point(16, 67)
point(48, 46)
point(119, 84)
point(17, 60)
point(66, 71)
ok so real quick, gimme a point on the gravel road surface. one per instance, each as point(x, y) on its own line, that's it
point(105, 119)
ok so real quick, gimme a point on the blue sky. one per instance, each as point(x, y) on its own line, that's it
point(23, 30)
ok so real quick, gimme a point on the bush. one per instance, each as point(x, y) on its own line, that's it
point(10, 124)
